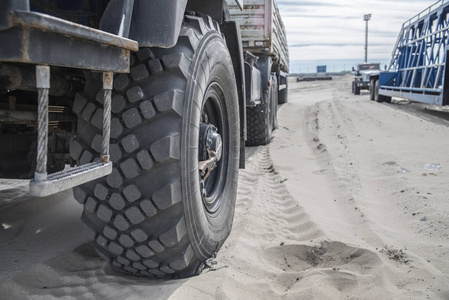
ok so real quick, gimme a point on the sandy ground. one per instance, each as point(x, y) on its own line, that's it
point(349, 201)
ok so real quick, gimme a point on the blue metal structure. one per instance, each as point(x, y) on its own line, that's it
point(418, 67)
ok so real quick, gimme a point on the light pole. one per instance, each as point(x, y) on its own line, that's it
point(366, 18)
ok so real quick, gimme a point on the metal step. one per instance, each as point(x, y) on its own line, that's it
point(69, 178)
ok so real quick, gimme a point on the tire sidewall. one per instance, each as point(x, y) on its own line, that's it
point(269, 114)
point(356, 89)
point(212, 63)
point(283, 94)
point(377, 97)
point(275, 102)
point(372, 88)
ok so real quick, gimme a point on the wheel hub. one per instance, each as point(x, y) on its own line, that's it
point(210, 149)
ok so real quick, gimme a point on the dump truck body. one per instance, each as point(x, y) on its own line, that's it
point(265, 49)
point(262, 29)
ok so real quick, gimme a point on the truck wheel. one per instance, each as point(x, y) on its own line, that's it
point(275, 101)
point(283, 94)
point(372, 87)
point(378, 97)
point(158, 214)
point(356, 89)
point(385, 98)
point(353, 89)
point(260, 123)
point(376, 92)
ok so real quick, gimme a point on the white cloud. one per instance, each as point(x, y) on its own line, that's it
point(335, 30)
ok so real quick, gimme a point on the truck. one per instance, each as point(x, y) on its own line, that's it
point(266, 57)
point(364, 77)
point(418, 67)
point(140, 106)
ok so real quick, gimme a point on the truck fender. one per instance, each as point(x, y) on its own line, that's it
point(264, 64)
point(212, 8)
point(152, 23)
point(231, 31)
point(155, 23)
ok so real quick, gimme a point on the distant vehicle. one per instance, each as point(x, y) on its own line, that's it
point(418, 67)
point(364, 78)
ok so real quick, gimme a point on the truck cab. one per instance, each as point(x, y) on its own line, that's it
point(363, 77)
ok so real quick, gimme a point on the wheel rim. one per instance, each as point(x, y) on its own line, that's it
point(213, 130)
point(376, 90)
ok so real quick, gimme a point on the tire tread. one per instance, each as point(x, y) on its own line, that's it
point(141, 229)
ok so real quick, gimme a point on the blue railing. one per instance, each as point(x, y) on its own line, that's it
point(419, 57)
point(425, 12)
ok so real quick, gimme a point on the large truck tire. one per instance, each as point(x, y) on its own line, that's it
point(283, 94)
point(356, 89)
point(260, 122)
point(378, 97)
point(258, 125)
point(376, 92)
point(372, 87)
point(157, 214)
point(385, 99)
point(274, 103)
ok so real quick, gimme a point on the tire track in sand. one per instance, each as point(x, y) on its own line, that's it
point(330, 190)
point(266, 205)
point(276, 250)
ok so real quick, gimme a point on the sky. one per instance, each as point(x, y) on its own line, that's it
point(332, 32)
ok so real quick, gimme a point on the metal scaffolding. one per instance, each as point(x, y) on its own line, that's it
point(418, 66)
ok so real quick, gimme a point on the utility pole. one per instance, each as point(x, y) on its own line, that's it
point(366, 18)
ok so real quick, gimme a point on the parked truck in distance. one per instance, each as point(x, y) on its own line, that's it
point(364, 77)
point(142, 107)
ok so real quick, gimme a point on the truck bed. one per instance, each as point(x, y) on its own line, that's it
point(263, 32)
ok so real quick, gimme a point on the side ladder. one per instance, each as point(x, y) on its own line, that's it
point(20, 29)
point(44, 184)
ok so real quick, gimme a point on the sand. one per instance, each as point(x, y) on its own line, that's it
point(349, 201)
